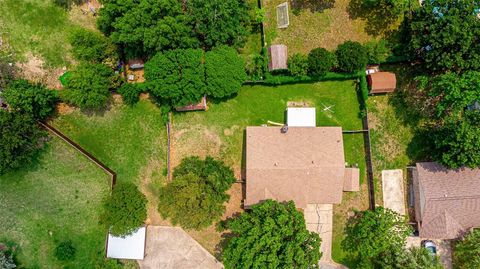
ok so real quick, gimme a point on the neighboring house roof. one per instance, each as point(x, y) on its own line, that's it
point(305, 164)
point(301, 117)
point(382, 82)
point(447, 202)
point(202, 105)
point(136, 63)
point(129, 247)
point(277, 56)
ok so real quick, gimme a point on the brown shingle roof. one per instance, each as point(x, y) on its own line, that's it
point(382, 82)
point(306, 165)
point(278, 56)
point(448, 201)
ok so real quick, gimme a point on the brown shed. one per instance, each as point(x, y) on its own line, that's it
point(136, 63)
point(202, 105)
point(277, 56)
point(382, 82)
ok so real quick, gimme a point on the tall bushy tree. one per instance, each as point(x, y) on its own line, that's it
point(373, 234)
point(144, 27)
point(219, 22)
point(351, 56)
point(445, 34)
point(224, 71)
point(271, 235)
point(33, 99)
point(125, 210)
point(298, 65)
point(320, 61)
point(89, 85)
point(195, 197)
point(20, 139)
point(466, 252)
point(93, 47)
point(177, 77)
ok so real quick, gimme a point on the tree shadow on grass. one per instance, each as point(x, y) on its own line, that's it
point(378, 20)
point(312, 5)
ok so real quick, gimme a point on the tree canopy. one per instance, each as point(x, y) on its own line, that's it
point(33, 99)
point(144, 27)
point(351, 56)
point(89, 85)
point(219, 22)
point(298, 65)
point(445, 34)
point(320, 61)
point(195, 198)
point(93, 47)
point(466, 252)
point(374, 234)
point(224, 71)
point(271, 235)
point(125, 210)
point(20, 139)
point(176, 77)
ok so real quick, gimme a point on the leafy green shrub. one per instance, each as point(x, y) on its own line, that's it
point(130, 93)
point(125, 210)
point(65, 251)
point(224, 72)
point(271, 235)
point(195, 198)
point(351, 56)
point(377, 51)
point(93, 47)
point(320, 61)
point(298, 65)
point(466, 252)
point(256, 66)
point(89, 85)
point(364, 89)
point(33, 99)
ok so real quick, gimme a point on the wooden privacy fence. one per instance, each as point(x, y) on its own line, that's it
point(85, 153)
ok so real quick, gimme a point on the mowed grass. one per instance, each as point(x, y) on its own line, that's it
point(56, 198)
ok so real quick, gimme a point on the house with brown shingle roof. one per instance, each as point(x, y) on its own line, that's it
point(447, 202)
point(303, 164)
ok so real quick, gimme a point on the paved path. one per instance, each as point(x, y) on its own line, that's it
point(319, 219)
point(172, 248)
point(393, 193)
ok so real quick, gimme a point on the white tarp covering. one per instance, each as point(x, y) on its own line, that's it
point(301, 117)
point(131, 247)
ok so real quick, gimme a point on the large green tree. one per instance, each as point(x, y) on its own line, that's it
point(373, 234)
point(298, 65)
point(125, 210)
point(144, 27)
point(271, 235)
point(219, 22)
point(351, 56)
point(20, 139)
point(456, 143)
point(88, 86)
point(33, 99)
point(93, 47)
point(224, 71)
point(176, 77)
point(445, 34)
point(320, 61)
point(195, 198)
point(466, 252)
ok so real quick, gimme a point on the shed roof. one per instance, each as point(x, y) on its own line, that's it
point(306, 165)
point(449, 200)
point(301, 117)
point(136, 63)
point(129, 247)
point(382, 82)
point(278, 56)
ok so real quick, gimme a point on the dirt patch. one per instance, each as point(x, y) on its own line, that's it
point(144, 96)
point(230, 131)
point(34, 69)
point(83, 16)
point(65, 109)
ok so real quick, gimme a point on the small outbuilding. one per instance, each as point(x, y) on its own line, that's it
point(202, 105)
point(277, 56)
point(382, 82)
point(136, 63)
point(131, 247)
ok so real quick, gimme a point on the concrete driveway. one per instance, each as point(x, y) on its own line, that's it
point(393, 191)
point(172, 248)
point(444, 249)
point(319, 219)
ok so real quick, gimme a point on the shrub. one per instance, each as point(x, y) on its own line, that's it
point(88, 86)
point(377, 51)
point(256, 65)
point(351, 57)
point(298, 65)
point(130, 93)
point(93, 47)
point(195, 198)
point(466, 252)
point(125, 210)
point(320, 61)
point(364, 89)
point(65, 251)
point(224, 72)
point(33, 99)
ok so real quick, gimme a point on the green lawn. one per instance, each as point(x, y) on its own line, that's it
point(56, 198)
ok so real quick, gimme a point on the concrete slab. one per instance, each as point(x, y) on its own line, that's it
point(393, 191)
point(444, 249)
point(172, 248)
point(319, 219)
